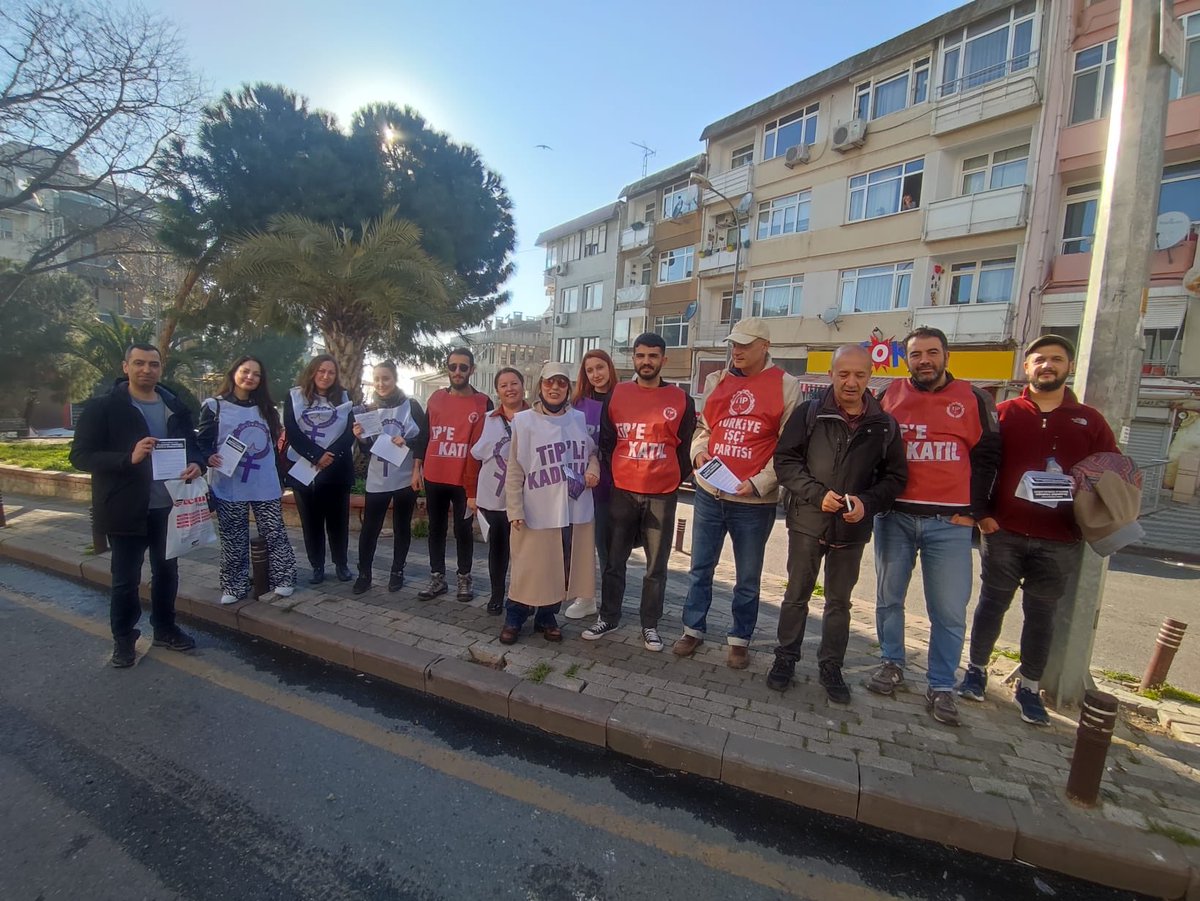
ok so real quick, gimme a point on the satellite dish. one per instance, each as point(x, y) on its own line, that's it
point(690, 311)
point(830, 315)
point(745, 203)
point(1171, 229)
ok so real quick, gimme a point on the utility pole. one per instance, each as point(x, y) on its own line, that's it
point(1110, 352)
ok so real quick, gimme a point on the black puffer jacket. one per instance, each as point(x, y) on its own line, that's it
point(108, 429)
point(818, 453)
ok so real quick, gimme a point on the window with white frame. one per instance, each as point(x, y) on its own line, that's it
point(649, 213)
point(982, 281)
point(572, 247)
point(876, 289)
point(777, 296)
point(679, 199)
point(989, 50)
point(674, 330)
point(784, 215)
point(1181, 190)
point(730, 310)
point(568, 300)
point(6, 228)
point(1162, 348)
point(625, 330)
point(1001, 169)
point(894, 93)
point(1189, 82)
point(675, 265)
point(595, 240)
point(587, 344)
point(743, 156)
point(1091, 89)
point(566, 350)
point(593, 296)
point(552, 255)
point(895, 189)
point(787, 131)
point(1079, 222)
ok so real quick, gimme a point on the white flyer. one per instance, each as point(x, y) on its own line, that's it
point(385, 450)
point(1046, 488)
point(230, 452)
point(168, 460)
point(719, 476)
point(484, 527)
point(303, 472)
point(371, 422)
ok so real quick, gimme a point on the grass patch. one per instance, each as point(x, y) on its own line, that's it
point(1117, 675)
point(1006, 654)
point(420, 528)
point(1174, 833)
point(35, 455)
point(844, 728)
point(572, 671)
point(1168, 692)
point(539, 672)
point(818, 590)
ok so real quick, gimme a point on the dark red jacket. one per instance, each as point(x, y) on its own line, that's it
point(1030, 437)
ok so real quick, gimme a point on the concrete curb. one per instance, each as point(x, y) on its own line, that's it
point(1062, 840)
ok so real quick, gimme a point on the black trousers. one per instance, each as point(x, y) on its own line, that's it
point(498, 551)
point(645, 520)
point(440, 501)
point(403, 501)
point(128, 554)
point(841, 575)
point(325, 509)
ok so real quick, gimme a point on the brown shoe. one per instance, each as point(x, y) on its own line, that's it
point(509, 635)
point(686, 646)
point(738, 656)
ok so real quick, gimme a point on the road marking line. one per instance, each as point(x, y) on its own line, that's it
point(741, 864)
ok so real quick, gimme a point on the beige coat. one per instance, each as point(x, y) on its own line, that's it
point(538, 578)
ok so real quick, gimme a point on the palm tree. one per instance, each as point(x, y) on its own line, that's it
point(379, 293)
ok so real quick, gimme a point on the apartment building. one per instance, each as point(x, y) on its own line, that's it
point(581, 272)
point(516, 341)
point(888, 191)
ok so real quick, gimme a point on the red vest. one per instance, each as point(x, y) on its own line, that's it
point(939, 429)
point(645, 460)
point(455, 423)
point(744, 414)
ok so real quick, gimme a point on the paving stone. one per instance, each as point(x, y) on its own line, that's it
point(1000, 788)
point(1032, 766)
point(645, 702)
point(471, 685)
point(825, 749)
point(603, 691)
point(669, 742)
point(791, 727)
point(811, 780)
point(711, 707)
point(731, 725)
point(723, 697)
point(1124, 816)
point(579, 717)
point(785, 739)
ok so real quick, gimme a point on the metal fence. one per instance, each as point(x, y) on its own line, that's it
point(1153, 493)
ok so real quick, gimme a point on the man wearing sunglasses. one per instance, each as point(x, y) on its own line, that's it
point(449, 474)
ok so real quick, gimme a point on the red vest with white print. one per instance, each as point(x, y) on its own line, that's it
point(646, 420)
point(744, 414)
point(939, 429)
point(455, 423)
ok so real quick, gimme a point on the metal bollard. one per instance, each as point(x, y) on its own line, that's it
point(3, 521)
point(99, 539)
point(258, 566)
point(1170, 636)
point(680, 528)
point(1097, 717)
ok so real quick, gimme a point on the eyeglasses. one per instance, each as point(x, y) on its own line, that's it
point(458, 367)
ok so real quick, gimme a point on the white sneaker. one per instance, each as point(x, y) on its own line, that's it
point(285, 591)
point(580, 609)
point(227, 599)
point(651, 641)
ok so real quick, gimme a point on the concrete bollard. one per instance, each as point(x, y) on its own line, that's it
point(680, 528)
point(259, 567)
point(1170, 636)
point(99, 539)
point(3, 520)
point(1097, 718)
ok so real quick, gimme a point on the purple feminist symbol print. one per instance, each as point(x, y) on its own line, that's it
point(385, 422)
point(500, 456)
point(255, 450)
point(317, 419)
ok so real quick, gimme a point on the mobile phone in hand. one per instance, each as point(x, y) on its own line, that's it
point(848, 503)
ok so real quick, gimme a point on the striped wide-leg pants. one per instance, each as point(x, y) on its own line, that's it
point(233, 520)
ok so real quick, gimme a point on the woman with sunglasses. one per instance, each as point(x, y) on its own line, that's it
point(552, 468)
point(491, 450)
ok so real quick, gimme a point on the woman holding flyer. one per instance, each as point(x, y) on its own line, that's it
point(237, 434)
point(316, 418)
point(552, 469)
point(391, 430)
point(492, 451)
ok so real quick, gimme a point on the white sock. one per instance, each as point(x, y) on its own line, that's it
point(1031, 685)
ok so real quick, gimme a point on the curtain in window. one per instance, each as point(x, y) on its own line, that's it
point(995, 286)
point(890, 96)
point(984, 59)
point(874, 293)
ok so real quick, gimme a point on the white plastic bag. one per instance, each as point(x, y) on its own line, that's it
point(190, 524)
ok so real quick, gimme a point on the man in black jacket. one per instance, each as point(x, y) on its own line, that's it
point(114, 439)
point(841, 458)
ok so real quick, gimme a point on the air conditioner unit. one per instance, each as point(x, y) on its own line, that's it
point(795, 156)
point(560, 269)
point(560, 318)
point(849, 135)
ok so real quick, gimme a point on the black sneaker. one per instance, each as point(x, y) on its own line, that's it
point(833, 683)
point(780, 675)
point(318, 575)
point(343, 572)
point(396, 580)
point(176, 640)
point(124, 653)
point(495, 607)
point(361, 584)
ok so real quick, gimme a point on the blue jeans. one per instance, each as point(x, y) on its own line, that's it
point(748, 526)
point(946, 569)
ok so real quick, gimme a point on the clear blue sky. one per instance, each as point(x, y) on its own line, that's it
point(576, 76)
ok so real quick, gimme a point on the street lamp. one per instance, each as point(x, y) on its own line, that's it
point(738, 211)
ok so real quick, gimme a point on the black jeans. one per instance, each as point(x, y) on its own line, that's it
point(128, 554)
point(440, 500)
point(1041, 568)
point(633, 520)
point(403, 501)
point(324, 509)
point(841, 575)
point(498, 551)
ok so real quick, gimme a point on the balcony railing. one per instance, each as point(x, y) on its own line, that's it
point(979, 213)
point(709, 334)
point(721, 262)
point(732, 184)
point(979, 323)
point(996, 91)
point(633, 295)
point(632, 238)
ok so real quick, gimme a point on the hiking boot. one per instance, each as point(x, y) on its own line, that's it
point(581, 608)
point(437, 586)
point(174, 639)
point(465, 593)
point(781, 673)
point(835, 686)
point(886, 679)
point(737, 657)
point(1033, 711)
point(651, 641)
point(396, 580)
point(361, 584)
point(124, 651)
point(598, 629)
point(974, 683)
point(943, 706)
point(686, 645)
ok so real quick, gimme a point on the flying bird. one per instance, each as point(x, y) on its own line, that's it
point(542, 147)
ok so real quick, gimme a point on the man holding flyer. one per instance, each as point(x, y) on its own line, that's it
point(115, 440)
point(742, 414)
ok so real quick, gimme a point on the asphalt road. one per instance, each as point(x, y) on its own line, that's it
point(242, 771)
